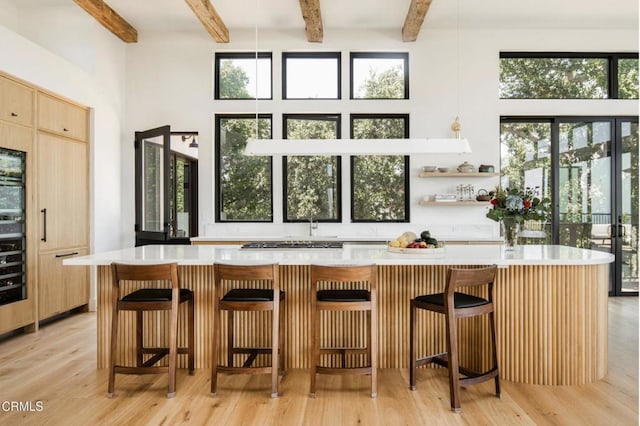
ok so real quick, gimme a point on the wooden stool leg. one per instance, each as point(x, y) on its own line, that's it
point(281, 340)
point(492, 323)
point(275, 345)
point(229, 338)
point(314, 346)
point(192, 339)
point(452, 350)
point(373, 327)
point(217, 316)
point(139, 340)
point(413, 355)
point(173, 347)
point(112, 357)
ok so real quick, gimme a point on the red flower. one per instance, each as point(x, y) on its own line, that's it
point(494, 201)
point(526, 204)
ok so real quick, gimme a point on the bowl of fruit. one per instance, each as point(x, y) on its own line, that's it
point(410, 243)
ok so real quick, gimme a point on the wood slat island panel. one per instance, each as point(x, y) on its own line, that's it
point(551, 320)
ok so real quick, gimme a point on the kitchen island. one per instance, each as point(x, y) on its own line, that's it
point(551, 304)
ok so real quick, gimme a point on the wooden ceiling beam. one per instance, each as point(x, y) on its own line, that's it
point(109, 19)
point(209, 17)
point(415, 16)
point(312, 20)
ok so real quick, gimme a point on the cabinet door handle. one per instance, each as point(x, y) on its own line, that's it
point(67, 254)
point(64, 129)
point(13, 114)
point(44, 224)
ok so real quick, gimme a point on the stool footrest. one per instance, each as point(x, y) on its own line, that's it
point(475, 377)
point(121, 369)
point(244, 370)
point(343, 371)
point(157, 357)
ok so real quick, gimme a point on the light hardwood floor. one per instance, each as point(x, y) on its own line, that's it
point(57, 367)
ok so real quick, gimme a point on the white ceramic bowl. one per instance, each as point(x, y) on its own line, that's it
point(429, 169)
point(443, 169)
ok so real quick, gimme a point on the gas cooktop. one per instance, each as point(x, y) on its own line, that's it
point(279, 245)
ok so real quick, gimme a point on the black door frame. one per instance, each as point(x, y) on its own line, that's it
point(163, 237)
point(146, 237)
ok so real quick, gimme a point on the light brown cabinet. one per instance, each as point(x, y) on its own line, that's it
point(16, 102)
point(61, 288)
point(63, 196)
point(56, 167)
point(62, 117)
point(63, 204)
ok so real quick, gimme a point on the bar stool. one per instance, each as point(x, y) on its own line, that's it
point(456, 305)
point(248, 299)
point(344, 300)
point(151, 299)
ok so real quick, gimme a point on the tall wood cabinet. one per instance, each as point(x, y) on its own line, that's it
point(63, 204)
point(17, 308)
point(53, 134)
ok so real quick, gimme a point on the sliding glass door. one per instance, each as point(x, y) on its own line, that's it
point(626, 235)
point(589, 167)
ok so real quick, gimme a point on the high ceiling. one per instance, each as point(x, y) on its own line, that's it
point(154, 15)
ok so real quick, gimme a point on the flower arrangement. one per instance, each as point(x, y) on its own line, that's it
point(519, 205)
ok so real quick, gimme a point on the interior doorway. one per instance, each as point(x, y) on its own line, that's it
point(166, 186)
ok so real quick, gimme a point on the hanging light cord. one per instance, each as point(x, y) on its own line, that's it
point(458, 56)
point(256, 63)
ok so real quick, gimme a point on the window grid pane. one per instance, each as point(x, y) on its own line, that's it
point(312, 184)
point(628, 78)
point(311, 75)
point(239, 76)
point(245, 182)
point(379, 190)
point(554, 78)
point(379, 76)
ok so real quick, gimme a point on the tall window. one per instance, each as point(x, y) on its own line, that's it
point(379, 75)
point(244, 183)
point(557, 75)
point(379, 184)
point(312, 183)
point(241, 76)
point(311, 75)
point(525, 156)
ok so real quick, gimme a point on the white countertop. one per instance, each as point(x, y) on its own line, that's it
point(350, 238)
point(350, 254)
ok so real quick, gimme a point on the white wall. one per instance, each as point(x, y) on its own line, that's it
point(64, 50)
point(169, 81)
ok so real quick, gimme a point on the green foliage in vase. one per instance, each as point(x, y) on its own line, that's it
point(519, 205)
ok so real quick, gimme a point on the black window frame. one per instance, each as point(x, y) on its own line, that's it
point(313, 116)
point(240, 55)
point(311, 55)
point(218, 169)
point(612, 68)
point(379, 55)
point(407, 180)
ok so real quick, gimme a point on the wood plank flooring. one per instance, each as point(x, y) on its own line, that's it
point(57, 367)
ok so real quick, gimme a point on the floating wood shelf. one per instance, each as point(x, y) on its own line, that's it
point(456, 174)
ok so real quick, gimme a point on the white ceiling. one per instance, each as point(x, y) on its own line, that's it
point(153, 15)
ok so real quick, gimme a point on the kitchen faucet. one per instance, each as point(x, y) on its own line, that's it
point(312, 225)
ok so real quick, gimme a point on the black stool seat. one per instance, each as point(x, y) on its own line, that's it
point(155, 295)
point(460, 300)
point(250, 295)
point(344, 295)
